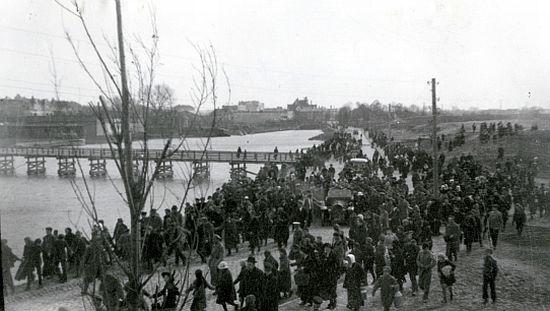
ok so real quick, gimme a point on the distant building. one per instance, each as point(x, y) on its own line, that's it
point(23, 106)
point(301, 104)
point(304, 111)
point(184, 108)
point(250, 105)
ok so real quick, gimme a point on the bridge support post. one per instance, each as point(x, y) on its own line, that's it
point(200, 170)
point(98, 167)
point(165, 169)
point(237, 170)
point(6, 166)
point(36, 165)
point(66, 167)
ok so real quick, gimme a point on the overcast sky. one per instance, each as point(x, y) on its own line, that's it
point(484, 53)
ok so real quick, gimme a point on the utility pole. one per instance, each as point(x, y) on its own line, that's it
point(389, 122)
point(434, 141)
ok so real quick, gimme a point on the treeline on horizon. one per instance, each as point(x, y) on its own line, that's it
point(378, 113)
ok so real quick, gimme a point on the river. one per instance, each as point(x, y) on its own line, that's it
point(29, 204)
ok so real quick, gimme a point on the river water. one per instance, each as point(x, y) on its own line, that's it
point(29, 204)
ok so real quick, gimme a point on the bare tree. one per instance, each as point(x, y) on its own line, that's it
point(121, 110)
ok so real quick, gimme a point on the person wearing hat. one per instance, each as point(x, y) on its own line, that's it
point(330, 265)
point(270, 295)
point(251, 281)
point(225, 290)
point(352, 283)
point(198, 287)
point(231, 234)
point(48, 242)
point(388, 286)
point(217, 255)
point(452, 238)
point(120, 228)
point(425, 262)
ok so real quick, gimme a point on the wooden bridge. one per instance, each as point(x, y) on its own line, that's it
point(97, 156)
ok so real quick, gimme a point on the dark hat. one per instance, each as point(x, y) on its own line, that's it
point(49, 228)
point(251, 259)
point(327, 245)
point(163, 274)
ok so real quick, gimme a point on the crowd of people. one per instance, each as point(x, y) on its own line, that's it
point(391, 227)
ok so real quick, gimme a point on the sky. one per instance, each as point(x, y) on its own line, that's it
point(484, 54)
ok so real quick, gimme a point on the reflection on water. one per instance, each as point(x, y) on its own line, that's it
point(28, 205)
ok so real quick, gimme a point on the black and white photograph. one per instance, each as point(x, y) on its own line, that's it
point(261, 155)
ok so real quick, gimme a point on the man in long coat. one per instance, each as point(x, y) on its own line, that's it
point(281, 233)
point(252, 281)
point(452, 237)
point(425, 263)
point(231, 235)
point(218, 252)
point(388, 285)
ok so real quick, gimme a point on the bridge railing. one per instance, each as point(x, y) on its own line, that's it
point(182, 155)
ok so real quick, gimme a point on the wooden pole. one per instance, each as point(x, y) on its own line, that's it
point(434, 141)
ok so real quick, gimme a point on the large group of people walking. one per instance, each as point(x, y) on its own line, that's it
point(392, 222)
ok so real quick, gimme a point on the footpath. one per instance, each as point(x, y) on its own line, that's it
point(521, 285)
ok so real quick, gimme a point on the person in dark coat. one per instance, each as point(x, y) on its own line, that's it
point(425, 262)
point(367, 252)
point(270, 295)
point(445, 269)
point(8, 261)
point(410, 253)
point(284, 275)
point(379, 259)
point(231, 235)
point(93, 262)
point(352, 282)
point(241, 276)
point(281, 233)
point(452, 237)
point(60, 257)
point(47, 252)
point(252, 281)
point(388, 285)
point(225, 290)
point(490, 272)
point(215, 258)
point(270, 260)
point(198, 287)
point(330, 271)
point(469, 229)
point(519, 218)
point(26, 269)
point(397, 263)
point(253, 232)
point(152, 248)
